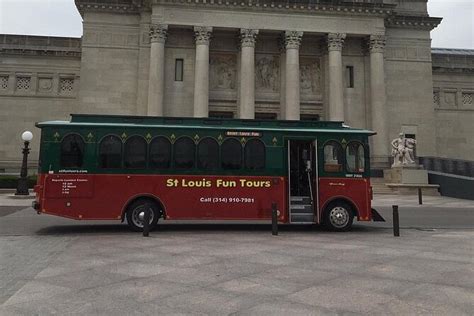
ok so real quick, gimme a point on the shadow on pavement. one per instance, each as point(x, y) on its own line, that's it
point(86, 229)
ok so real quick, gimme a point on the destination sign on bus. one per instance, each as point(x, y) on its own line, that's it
point(243, 134)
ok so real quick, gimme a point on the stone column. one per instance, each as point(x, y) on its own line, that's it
point(247, 73)
point(292, 75)
point(378, 98)
point(336, 96)
point(201, 71)
point(156, 84)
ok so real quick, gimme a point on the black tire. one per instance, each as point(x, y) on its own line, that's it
point(134, 209)
point(338, 216)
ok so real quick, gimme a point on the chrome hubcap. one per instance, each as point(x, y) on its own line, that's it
point(339, 216)
point(138, 215)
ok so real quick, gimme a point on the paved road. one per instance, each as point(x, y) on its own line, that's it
point(51, 265)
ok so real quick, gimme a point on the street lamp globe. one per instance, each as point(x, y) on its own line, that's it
point(27, 136)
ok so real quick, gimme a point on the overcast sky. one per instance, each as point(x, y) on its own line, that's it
point(60, 18)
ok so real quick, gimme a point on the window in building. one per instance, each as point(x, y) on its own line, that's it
point(221, 114)
point(208, 154)
point(160, 153)
point(355, 157)
point(333, 156)
point(110, 152)
point(265, 116)
point(178, 69)
point(231, 154)
point(349, 76)
point(184, 153)
point(72, 151)
point(135, 152)
point(255, 154)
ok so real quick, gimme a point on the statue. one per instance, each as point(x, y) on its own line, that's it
point(403, 151)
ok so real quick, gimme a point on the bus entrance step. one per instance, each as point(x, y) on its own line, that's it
point(302, 218)
point(301, 208)
point(300, 200)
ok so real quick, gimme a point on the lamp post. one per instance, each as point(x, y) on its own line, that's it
point(22, 187)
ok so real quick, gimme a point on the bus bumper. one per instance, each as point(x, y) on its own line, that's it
point(376, 217)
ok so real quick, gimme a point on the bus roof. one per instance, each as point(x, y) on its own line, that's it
point(204, 123)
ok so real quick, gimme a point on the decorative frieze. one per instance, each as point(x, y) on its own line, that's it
point(467, 99)
point(23, 83)
point(45, 84)
point(412, 22)
point(247, 37)
point(202, 35)
point(436, 98)
point(3, 82)
point(377, 43)
point(293, 39)
point(66, 85)
point(336, 41)
point(158, 33)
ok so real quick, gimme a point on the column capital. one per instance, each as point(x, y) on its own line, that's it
point(377, 43)
point(202, 34)
point(293, 39)
point(336, 41)
point(158, 33)
point(247, 37)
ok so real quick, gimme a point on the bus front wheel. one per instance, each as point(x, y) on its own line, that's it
point(338, 216)
point(136, 212)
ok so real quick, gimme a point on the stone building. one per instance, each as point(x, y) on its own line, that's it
point(368, 63)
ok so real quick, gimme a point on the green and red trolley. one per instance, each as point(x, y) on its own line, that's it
point(103, 167)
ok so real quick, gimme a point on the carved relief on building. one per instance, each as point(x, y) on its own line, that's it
point(267, 73)
point(45, 85)
point(23, 83)
point(310, 76)
point(436, 98)
point(3, 82)
point(450, 98)
point(223, 72)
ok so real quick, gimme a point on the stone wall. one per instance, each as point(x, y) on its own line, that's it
point(453, 102)
point(39, 80)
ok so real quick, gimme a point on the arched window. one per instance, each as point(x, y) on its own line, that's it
point(231, 154)
point(72, 151)
point(333, 156)
point(255, 154)
point(160, 153)
point(208, 154)
point(184, 153)
point(110, 152)
point(135, 152)
point(355, 157)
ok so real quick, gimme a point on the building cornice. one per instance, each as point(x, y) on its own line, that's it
point(113, 6)
point(413, 22)
point(370, 7)
point(40, 46)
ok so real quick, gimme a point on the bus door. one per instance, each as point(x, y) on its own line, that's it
point(303, 181)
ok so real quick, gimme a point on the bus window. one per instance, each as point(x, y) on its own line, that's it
point(231, 154)
point(135, 152)
point(72, 151)
point(255, 154)
point(333, 156)
point(110, 152)
point(184, 152)
point(355, 157)
point(160, 153)
point(208, 154)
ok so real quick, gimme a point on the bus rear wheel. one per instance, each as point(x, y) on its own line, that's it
point(338, 216)
point(136, 211)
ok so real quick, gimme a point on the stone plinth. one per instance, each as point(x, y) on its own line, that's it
point(407, 180)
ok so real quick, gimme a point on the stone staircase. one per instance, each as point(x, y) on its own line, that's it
point(379, 187)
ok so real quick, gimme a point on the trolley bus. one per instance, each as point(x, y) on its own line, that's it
point(104, 167)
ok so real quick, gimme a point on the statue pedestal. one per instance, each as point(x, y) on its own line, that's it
point(408, 179)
